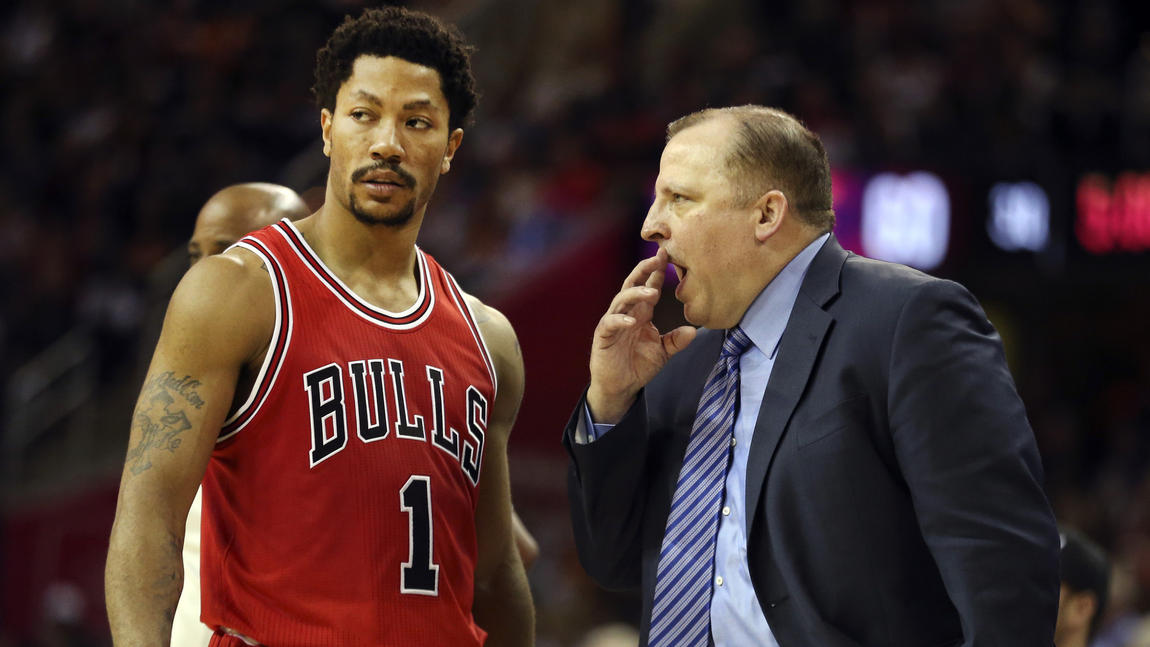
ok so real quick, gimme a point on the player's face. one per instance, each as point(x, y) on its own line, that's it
point(709, 237)
point(389, 140)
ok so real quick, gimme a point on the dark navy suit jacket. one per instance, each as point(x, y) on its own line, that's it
point(894, 489)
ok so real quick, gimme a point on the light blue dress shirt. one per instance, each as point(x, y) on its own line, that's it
point(736, 617)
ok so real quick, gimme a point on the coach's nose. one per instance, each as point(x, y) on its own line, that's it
point(655, 224)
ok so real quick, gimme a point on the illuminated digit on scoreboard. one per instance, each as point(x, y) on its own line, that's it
point(906, 219)
point(1113, 217)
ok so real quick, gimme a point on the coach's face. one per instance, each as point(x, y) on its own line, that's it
point(388, 139)
point(709, 237)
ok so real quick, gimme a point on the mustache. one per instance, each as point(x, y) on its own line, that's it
point(390, 165)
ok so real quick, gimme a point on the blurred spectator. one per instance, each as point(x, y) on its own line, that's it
point(1085, 590)
point(611, 635)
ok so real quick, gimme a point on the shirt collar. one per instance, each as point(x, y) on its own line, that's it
point(766, 319)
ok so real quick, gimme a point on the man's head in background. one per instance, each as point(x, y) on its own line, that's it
point(237, 210)
point(1085, 588)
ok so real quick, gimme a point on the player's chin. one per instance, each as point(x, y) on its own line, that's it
point(376, 214)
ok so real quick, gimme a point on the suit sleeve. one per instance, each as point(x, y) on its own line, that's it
point(607, 490)
point(969, 457)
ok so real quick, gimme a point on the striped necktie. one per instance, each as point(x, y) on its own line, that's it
point(681, 615)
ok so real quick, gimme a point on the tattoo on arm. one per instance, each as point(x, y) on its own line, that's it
point(160, 416)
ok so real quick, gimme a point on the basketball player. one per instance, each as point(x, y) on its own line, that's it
point(225, 218)
point(345, 404)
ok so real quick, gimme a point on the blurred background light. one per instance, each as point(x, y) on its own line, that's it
point(906, 219)
point(1019, 216)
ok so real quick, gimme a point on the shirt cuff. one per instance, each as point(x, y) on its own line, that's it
point(586, 431)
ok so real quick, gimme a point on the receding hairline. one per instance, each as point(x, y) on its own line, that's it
point(749, 154)
point(737, 114)
point(253, 205)
point(727, 146)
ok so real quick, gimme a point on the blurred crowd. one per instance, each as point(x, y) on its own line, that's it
point(120, 117)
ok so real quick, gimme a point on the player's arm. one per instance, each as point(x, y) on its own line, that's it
point(503, 605)
point(524, 542)
point(219, 318)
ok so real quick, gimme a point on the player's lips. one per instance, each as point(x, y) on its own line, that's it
point(385, 177)
point(384, 184)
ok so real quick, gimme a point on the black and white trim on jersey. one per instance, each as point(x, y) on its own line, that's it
point(476, 333)
point(406, 320)
point(277, 349)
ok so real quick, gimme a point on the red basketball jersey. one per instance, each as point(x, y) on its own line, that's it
point(339, 503)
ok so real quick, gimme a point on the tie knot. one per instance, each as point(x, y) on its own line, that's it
point(736, 343)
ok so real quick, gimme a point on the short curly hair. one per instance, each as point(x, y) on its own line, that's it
point(411, 35)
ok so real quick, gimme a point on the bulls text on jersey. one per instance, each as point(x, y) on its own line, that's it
point(328, 406)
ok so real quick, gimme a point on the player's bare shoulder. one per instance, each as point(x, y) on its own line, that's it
point(503, 345)
point(226, 300)
point(497, 331)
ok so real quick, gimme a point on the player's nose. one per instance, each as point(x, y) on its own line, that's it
point(386, 143)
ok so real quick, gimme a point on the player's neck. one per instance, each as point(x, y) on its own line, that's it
point(342, 242)
point(377, 263)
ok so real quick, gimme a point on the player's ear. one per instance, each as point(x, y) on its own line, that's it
point(453, 142)
point(325, 130)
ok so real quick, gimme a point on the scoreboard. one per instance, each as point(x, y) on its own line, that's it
point(936, 222)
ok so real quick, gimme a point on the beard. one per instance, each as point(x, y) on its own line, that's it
point(398, 219)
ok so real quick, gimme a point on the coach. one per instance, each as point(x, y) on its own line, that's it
point(837, 457)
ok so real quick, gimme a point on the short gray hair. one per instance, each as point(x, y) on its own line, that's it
point(774, 150)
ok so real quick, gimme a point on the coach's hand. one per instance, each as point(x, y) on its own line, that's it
point(627, 350)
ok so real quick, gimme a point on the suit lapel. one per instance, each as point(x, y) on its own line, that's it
point(798, 350)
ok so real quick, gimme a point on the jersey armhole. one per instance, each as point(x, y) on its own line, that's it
point(277, 348)
point(476, 331)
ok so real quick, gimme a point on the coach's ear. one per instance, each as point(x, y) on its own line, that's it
point(770, 210)
point(325, 129)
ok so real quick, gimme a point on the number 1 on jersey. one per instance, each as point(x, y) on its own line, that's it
point(419, 575)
